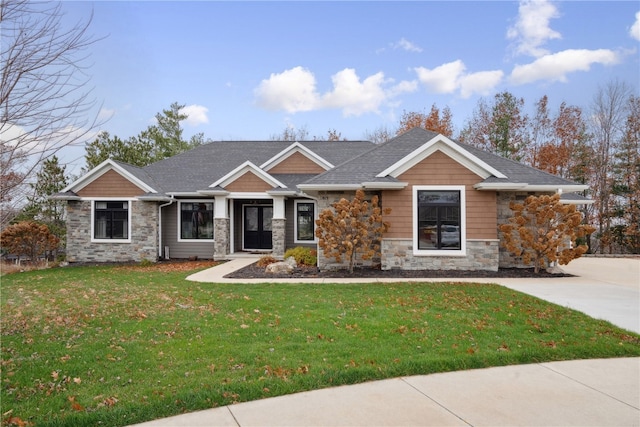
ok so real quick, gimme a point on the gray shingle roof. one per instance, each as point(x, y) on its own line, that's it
point(198, 168)
point(356, 162)
point(365, 167)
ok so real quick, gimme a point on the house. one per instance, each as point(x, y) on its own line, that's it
point(223, 198)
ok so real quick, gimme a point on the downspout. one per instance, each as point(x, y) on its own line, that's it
point(160, 225)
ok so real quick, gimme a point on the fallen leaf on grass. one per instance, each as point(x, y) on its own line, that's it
point(75, 405)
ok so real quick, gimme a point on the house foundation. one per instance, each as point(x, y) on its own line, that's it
point(398, 254)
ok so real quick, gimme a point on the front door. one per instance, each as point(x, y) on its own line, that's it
point(257, 226)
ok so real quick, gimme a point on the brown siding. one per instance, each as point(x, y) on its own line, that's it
point(297, 163)
point(249, 182)
point(440, 169)
point(111, 184)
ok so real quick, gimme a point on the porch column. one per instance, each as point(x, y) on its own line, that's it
point(278, 224)
point(221, 228)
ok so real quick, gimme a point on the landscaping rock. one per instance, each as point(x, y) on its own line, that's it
point(279, 268)
point(291, 261)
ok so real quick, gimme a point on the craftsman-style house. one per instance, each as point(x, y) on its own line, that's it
point(223, 198)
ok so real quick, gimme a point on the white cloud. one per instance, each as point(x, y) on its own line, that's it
point(531, 29)
point(404, 86)
point(295, 90)
point(482, 83)
point(405, 44)
point(355, 97)
point(106, 114)
point(292, 90)
point(196, 114)
point(555, 67)
point(634, 32)
point(442, 79)
point(452, 77)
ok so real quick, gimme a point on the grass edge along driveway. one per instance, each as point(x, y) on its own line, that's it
point(119, 345)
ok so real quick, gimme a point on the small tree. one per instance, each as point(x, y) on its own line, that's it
point(544, 230)
point(351, 228)
point(28, 238)
point(51, 178)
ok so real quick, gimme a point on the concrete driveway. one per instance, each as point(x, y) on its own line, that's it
point(603, 288)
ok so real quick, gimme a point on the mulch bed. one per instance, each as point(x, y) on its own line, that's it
point(254, 272)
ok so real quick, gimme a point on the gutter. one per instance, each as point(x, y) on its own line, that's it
point(160, 224)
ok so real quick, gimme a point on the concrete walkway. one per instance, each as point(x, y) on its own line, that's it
point(598, 392)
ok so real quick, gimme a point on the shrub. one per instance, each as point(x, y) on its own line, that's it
point(29, 239)
point(265, 260)
point(146, 262)
point(302, 255)
point(544, 230)
point(352, 227)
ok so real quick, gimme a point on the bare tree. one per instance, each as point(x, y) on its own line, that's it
point(45, 101)
point(379, 135)
point(290, 133)
point(608, 117)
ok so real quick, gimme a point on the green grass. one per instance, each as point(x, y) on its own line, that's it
point(114, 346)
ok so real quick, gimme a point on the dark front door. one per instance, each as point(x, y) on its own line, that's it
point(257, 226)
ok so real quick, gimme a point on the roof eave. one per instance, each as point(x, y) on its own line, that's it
point(522, 186)
point(155, 198)
point(65, 197)
point(214, 192)
point(373, 185)
point(576, 202)
point(329, 187)
point(281, 192)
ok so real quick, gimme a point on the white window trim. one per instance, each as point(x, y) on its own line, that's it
point(463, 221)
point(179, 215)
point(295, 220)
point(93, 217)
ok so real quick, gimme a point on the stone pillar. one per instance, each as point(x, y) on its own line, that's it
point(221, 228)
point(278, 237)
point(221, 232)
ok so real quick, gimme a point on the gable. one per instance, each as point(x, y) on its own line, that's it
point(110, 184)
point(293, 149)
point(440, 169)
point(248, 182)
point(444, 144)
point(297, 163)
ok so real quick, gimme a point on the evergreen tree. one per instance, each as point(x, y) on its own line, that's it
point(50, 179)
point(157, 142)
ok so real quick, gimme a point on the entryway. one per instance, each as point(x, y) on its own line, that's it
point(257, 227)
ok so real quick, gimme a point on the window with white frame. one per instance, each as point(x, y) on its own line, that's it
point(439, 220)
point(196, 220)
point(304, 225)
point(111, 220)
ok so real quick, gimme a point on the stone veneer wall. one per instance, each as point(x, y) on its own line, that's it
point(278, 242)
point(144, 235)
point(398, 254)
point(222, 244)
point(508, 260)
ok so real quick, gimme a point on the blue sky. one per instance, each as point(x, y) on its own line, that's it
point(248, 70)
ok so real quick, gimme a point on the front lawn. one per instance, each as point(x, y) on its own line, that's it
point(115, 346)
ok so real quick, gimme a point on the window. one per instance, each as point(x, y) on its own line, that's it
point(305, 222)
point(111, 220)
point(196, 220)
point(439, 220)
